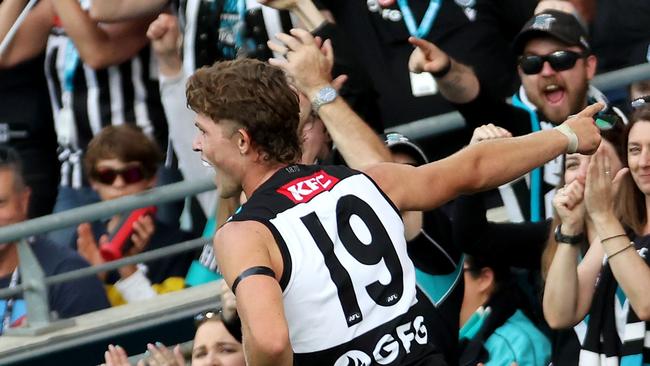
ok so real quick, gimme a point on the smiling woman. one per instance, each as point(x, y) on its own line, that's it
point(616, 261)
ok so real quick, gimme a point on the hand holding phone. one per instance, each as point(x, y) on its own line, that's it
point(120, 241)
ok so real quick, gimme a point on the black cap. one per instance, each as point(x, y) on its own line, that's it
point(562, 26)
point(397, 142)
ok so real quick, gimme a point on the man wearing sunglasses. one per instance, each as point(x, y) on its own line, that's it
point(555, 66)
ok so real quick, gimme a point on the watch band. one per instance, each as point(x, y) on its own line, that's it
point(568, 239)
point(325, 95)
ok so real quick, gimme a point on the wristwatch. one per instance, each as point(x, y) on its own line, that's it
point(568, 239)
point(325, 95)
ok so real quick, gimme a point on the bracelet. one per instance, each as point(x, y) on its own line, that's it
point(609, 257)
point(573, 139)
point(442, 72)
point(612, 237)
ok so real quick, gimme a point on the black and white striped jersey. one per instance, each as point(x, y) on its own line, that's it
point(211, 27)
point(124, 93)
point(348, 284)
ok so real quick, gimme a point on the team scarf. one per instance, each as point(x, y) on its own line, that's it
point(603, 345)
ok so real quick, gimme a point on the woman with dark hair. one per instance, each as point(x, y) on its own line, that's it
point(610, 318)
point(496, 325)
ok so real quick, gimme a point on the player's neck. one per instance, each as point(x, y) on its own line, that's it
point(258, 175)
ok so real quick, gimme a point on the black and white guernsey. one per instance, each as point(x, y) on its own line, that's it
point(348, 284)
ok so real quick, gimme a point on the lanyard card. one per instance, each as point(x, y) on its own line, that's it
point(423, 84)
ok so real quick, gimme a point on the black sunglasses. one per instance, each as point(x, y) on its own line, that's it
point(131, 174)
point(559, 61)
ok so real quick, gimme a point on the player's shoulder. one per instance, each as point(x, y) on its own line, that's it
point(242, 233)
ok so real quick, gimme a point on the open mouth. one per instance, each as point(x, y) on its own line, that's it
point(553, 93)
point(206, 163)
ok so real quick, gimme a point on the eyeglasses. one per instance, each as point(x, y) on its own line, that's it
point(131, 174)
point(559, 61)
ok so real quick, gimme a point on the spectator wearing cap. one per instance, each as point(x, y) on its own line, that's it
point(555, 65)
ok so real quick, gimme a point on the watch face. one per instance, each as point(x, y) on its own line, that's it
point(327, 94)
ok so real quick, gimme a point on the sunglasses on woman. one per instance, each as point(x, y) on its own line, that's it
point(559, 61)
point(130, 174)
point(200, 318)
point(232, 325)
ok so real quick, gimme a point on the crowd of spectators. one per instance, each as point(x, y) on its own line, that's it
point(93, 107)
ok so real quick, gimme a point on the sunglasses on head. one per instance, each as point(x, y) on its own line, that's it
point(200, 318)
point(640, 102)
point(559, 61)
point(130, 174)
point(605, 121)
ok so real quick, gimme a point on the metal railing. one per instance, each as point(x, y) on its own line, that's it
point(105, 209)
point(34, 284)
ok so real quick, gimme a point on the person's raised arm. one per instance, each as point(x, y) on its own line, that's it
point(485, 165)
point(630, 270)
point(569, 287)
point(118, 10)
point(31, 37)
point(457, 82)
point(165, 37)
point(101, 45)
point(241, 246)
point(309, 67)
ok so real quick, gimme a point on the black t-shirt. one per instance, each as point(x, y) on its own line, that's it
point(68, 299)
point(512, 244)
point(439, 273)
point(26, 111)
point(381, 45)
point(620, 33)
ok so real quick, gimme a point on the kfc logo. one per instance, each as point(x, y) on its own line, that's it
point(303, 189)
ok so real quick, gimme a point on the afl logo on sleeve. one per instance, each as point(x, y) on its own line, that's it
point(303, 189)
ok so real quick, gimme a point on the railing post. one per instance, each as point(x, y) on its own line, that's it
point(38, 308)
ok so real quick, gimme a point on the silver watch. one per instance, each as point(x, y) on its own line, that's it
point(325, 95)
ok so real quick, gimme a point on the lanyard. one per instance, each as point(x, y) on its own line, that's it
point(430, 15)
point(536, 174)
point(71, 62)
point(9, 309)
